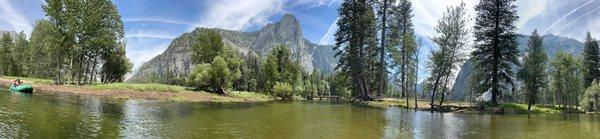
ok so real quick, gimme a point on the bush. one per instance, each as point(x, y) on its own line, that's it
point(283, 91)
point(591, 98)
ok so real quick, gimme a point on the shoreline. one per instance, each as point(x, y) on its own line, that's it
point(180, 96)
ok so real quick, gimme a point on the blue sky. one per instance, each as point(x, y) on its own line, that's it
point(150, 25)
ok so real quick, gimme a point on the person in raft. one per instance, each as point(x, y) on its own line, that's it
point(17, 82)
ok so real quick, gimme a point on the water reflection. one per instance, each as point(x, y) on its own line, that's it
point(47, 115)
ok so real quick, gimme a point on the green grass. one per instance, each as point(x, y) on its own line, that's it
point(30, 80)
point(240, 96)
point(536, 109)
point(137, 87)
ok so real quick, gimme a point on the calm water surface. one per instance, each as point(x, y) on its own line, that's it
point(43, 115)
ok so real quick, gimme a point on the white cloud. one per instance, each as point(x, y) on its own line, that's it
point(427, 13)
point(14, 18)
point(328, 37)
point(529, 9)
point(139, 55)
point(314, 3)
point(170, 21)
point(149, 34)
point(239, 15)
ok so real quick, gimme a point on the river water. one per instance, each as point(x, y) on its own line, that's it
point(58, 115)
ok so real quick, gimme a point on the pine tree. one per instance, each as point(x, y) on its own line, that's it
point(591, 60)
point(402, 28)
point(382, 76)
point(496, 45)
point(355, 40)
point(533, 72)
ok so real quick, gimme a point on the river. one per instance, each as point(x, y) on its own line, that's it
point(58, 115)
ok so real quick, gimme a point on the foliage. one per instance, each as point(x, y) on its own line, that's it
point(356, 45)
point(402, 44)
point(567, 83)
point(533, 72)
point(89, 35)
point(279, 67)
point(452, 41)
point(6, 61)
point(591, 99)
point(495, 45)
point(209, 45)
point(216, 76)
point(283, 91)
point(44, 50)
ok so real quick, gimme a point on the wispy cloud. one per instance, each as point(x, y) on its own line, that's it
point(529, 9)
point(14, 17)
point(149, 34)
point(328, 37)
point(314, 3)
point(170, 21)
point(143, 53)
point(565, 16)
point(239, 15)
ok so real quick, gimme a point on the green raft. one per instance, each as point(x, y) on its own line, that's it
point(22, 88)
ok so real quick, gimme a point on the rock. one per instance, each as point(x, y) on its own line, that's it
point(176, 59)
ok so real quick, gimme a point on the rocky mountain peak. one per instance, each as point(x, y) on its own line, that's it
point(176, 60)
point(288, 28)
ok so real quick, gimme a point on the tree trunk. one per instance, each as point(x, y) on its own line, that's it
point(382, 70)
point(221, 91)
point(444, 89)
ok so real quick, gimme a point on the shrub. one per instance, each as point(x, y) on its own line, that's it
point(591, 98)
point(283, 91)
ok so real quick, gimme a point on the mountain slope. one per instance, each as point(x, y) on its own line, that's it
point(552, 45)
point(176, 60)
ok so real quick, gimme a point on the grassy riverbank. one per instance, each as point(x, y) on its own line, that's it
point(183, 94)
point(138, 91)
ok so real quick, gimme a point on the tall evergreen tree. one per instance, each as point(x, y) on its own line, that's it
point(452, 40)
point(401, 28)
point(355, 37)
point(382, 76)
point(496, 45)
point(5, 59)
point(533, 72)
point(591, 60)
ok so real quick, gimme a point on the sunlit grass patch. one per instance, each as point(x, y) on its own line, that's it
point(137, 87)
point(537, 109)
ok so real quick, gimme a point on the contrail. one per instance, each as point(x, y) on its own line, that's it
point(329, 34)
point(592, 11)
point(563, 18)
